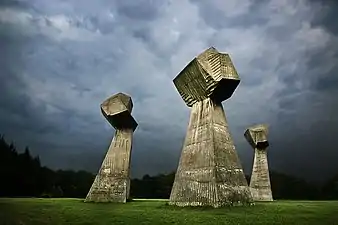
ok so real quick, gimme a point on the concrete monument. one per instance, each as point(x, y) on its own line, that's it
point(260, 180)
point(209, 171)
point(112, 183)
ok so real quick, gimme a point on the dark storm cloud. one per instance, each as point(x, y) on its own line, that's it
point(218, 16)
point(28, 121)
point(64, 136)
point(13, 102)
point(328, 17)
point(14, 3)
point(140, 10)
point(61, 61)
point(307, 121)
point(303, 120)
point(324, 64)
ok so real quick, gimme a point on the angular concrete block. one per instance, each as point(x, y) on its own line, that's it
point(257, 136)
point(117, 110)
point(211, 74)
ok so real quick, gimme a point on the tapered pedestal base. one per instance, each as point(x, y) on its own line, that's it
point(209, 171)
point(260, 179)
point(112, 183)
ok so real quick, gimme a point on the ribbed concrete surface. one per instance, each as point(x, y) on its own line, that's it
point(112, 183)
point(209, 171)
point(260, 180)
point(210, 74)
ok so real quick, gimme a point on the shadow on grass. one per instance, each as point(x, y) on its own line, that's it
point(167, 205)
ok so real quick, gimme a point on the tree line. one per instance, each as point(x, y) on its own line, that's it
point(22, 175)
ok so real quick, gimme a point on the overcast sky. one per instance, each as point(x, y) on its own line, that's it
point(61, 58)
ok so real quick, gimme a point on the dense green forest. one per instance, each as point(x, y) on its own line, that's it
point(22, 175)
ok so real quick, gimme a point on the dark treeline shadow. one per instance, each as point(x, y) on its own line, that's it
point(23, 176)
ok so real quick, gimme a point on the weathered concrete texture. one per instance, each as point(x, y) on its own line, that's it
point(117, 110)
point(209, 172)
point(112, 183)
point(211, 74)
point(260, 180)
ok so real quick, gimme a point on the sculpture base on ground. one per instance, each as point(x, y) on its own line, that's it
point(260, 179)
point(112, 183)
point(209, 171)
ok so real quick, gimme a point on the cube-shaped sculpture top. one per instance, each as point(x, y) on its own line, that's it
point(210, 74)
point(117, 110)
point(257, 136)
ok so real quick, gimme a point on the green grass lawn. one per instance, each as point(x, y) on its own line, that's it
point(75, 211)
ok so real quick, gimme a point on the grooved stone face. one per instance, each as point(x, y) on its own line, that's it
point(117, 103)
point(209, 172)
point(112, 183)
point(117, 110)
point(260, 180)
point(257, 136)
point(211, 74)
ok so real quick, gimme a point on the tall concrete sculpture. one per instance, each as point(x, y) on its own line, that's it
point(260, 180)
point(209, 171)
point(112, 183)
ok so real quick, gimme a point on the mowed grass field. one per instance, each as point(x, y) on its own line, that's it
point(37, 211)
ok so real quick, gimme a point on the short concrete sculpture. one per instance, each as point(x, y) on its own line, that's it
point(260, 180)
point(112, 183)
point(209, 172)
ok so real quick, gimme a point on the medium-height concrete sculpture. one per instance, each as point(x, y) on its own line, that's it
point(112, 183)
point(209, 172)
point(260, 180)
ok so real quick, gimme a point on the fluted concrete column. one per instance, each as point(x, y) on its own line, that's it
point(209, 171)
point(112, 183)
point(260, 180)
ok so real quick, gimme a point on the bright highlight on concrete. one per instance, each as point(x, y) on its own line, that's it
point(112, 183)
point(209, 171)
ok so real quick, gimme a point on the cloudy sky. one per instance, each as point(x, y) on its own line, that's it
point(61, 58)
